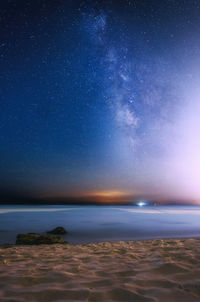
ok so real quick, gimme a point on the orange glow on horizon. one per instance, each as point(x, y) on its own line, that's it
point(108, 195)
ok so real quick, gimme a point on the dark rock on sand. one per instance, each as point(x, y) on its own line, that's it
point(58, 231)
point(6, 246)
point(33, 238)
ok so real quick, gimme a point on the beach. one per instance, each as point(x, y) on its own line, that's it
point(151, 270)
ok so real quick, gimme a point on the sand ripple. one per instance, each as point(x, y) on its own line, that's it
point(141, 271)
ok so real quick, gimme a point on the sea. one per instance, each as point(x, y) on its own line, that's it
point(89, 224)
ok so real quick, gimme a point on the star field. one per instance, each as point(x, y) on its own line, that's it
point(100, 95)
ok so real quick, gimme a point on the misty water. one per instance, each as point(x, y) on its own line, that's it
point(87, 224)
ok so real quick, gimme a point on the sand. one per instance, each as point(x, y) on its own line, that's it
point(143, 271)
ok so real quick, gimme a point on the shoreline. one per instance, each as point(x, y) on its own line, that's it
point(150, 270)
point(10, 245)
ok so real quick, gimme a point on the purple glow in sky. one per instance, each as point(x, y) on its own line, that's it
point(100, 99)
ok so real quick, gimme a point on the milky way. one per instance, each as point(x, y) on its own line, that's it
point(100, 97)
point(156, 118)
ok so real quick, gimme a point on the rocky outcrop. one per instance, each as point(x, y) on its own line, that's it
point(58, 231)
point(33, 238)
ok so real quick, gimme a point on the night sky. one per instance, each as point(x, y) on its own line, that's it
point(100, 100)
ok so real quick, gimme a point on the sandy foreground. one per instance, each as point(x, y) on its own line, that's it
point(157, 270)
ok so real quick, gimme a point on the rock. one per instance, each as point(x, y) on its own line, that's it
point(6, 246)
point(58, 231)
point(33, 238)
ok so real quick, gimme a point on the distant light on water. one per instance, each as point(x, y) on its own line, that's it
point(141, 203)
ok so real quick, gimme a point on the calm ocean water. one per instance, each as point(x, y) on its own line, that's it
point(101, 223)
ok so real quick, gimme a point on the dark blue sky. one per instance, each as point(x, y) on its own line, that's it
point(93, 97)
